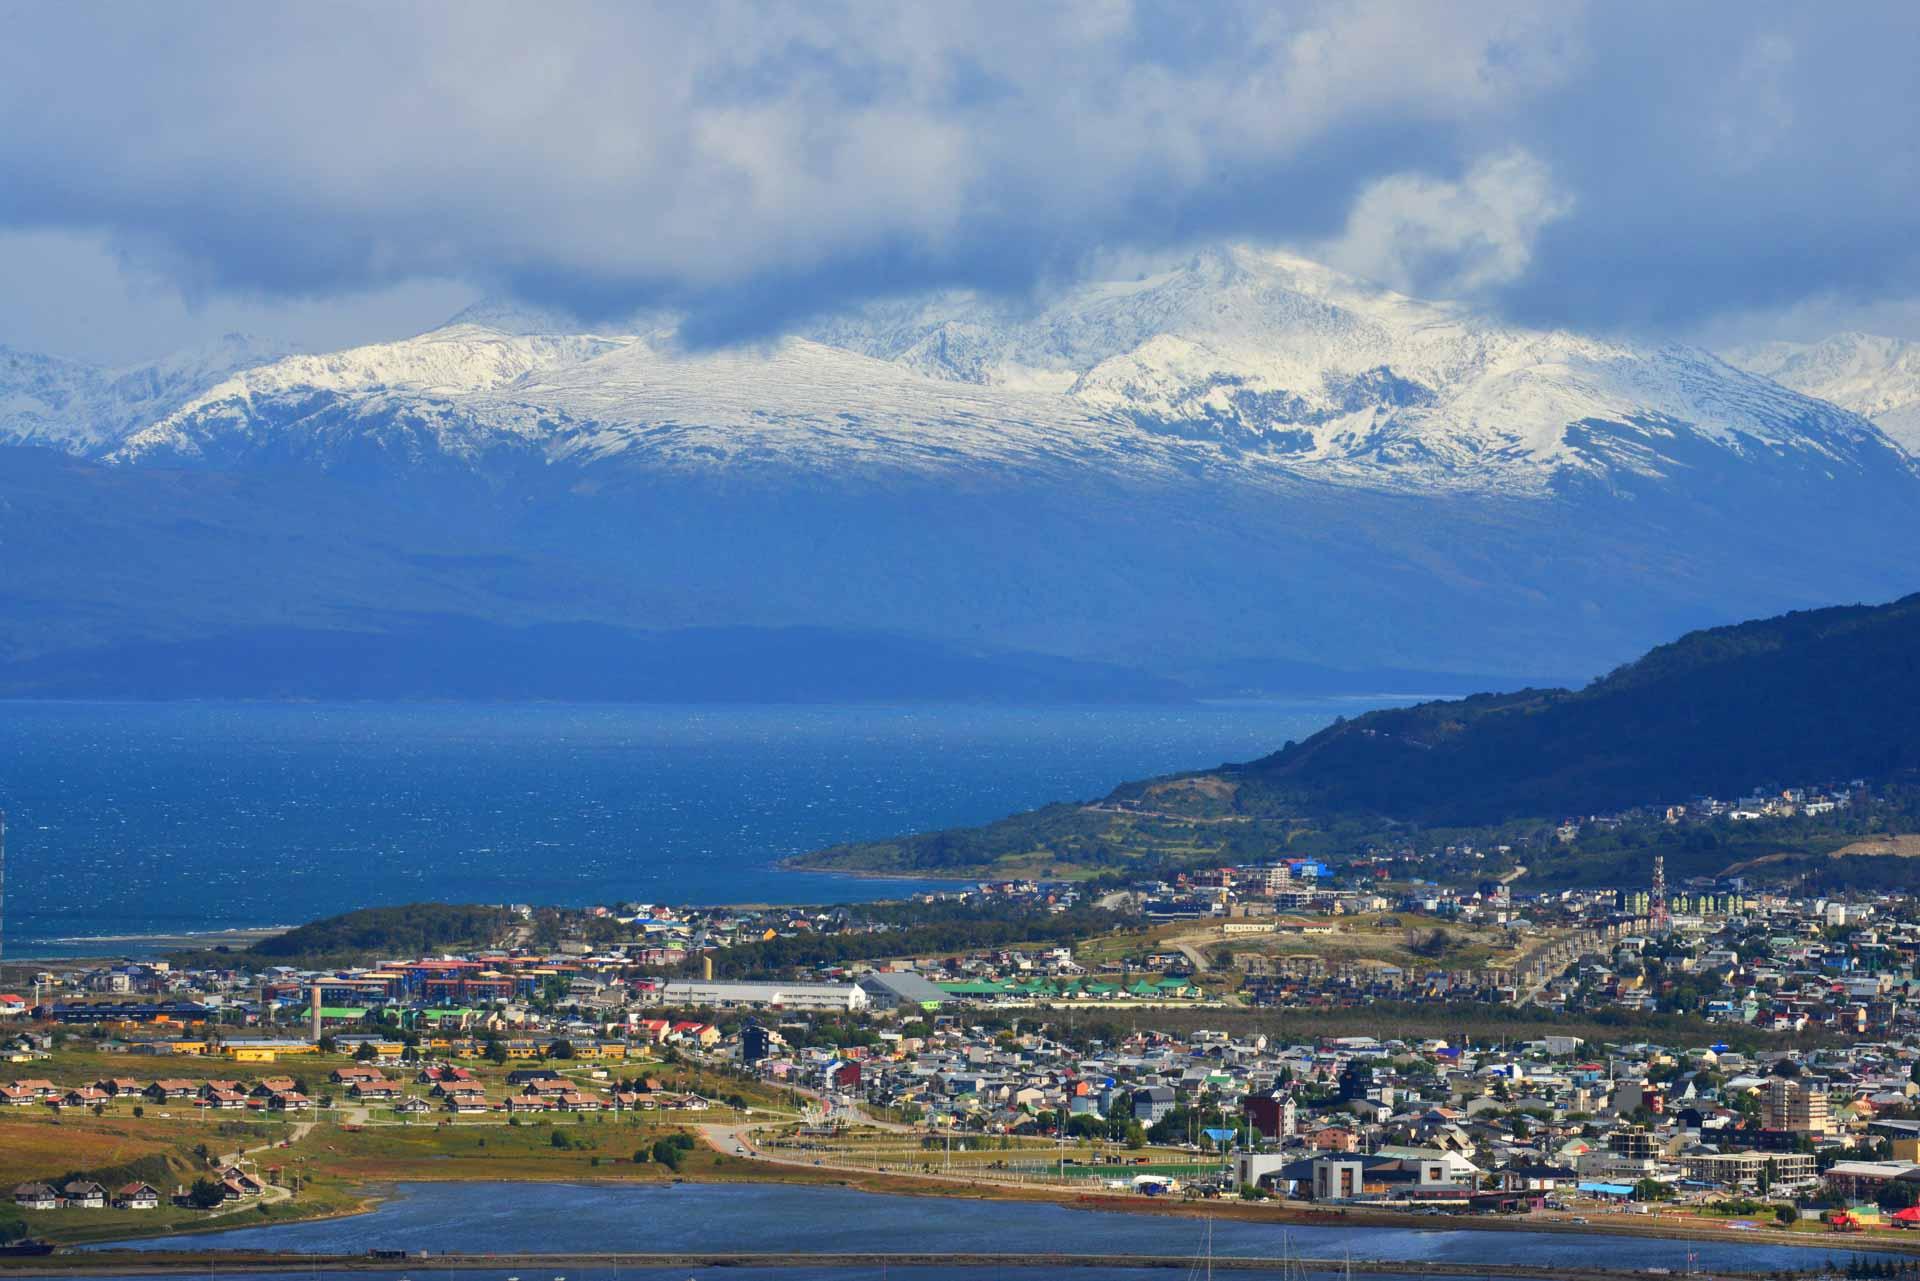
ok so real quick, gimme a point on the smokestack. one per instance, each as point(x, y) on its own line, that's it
point(706, 966)
point(316, 1014)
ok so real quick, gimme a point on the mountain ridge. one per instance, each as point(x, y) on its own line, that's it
point(1242, 459)
point(1872, 375)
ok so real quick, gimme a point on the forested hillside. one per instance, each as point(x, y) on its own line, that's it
point(1808, 696)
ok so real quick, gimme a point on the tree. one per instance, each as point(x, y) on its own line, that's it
point(560, 1049)
point(496, 1051)
point(366, 1053)
point(1787, 1215)
point(205, 1194)
point(665, 1153)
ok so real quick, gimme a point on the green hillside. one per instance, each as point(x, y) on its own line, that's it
point(1810, 696)
point(1807, 697)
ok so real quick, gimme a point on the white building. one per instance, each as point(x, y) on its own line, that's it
point(782, 996)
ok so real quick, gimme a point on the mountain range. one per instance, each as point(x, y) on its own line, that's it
point(1874, 376)
point(1245, 472)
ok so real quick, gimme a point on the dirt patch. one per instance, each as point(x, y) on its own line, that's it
point(1211, 786)
point(1907, 846)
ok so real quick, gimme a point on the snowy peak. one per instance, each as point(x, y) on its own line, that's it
point(462, 358)
point(1236, 361)
point(82, 408)
point(1872, 375)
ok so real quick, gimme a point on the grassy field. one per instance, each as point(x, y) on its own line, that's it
point(35, 1146)
point(341, 1150)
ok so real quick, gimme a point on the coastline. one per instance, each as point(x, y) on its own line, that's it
point(794, 863)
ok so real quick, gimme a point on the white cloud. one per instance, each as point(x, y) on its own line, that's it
point(1422, 234)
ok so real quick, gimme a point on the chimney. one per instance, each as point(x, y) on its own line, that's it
point(316, 1014)
point(706, 966)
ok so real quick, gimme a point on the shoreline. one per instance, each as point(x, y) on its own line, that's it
point(792, 863)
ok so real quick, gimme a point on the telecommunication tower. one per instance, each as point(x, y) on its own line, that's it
point(1657, 902)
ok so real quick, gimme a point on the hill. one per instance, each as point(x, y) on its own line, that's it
point(410, 929)
point(1811, 696)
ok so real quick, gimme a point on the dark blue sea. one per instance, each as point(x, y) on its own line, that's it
point(131, 821)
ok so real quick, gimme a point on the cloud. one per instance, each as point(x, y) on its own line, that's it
point(755, 162)
point(1427, 235)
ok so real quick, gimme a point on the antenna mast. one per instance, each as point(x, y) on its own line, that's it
point(1662, 920)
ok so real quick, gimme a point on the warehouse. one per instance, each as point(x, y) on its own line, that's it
point(780, 996)
point(903, 989)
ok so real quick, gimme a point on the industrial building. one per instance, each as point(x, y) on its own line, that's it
point(721, 994)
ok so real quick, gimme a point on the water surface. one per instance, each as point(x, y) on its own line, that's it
point(133, 819)
point(513, 1217)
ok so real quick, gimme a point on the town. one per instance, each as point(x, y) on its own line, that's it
point(1718, 1056)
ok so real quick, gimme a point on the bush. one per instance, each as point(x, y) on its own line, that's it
point(666, 1152)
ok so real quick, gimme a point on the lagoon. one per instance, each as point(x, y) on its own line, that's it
point(529, 1217)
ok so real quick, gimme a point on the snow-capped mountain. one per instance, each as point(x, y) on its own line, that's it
point(84, 409)
point(1874, 376)
point(1239, 360)
point(1240, 460)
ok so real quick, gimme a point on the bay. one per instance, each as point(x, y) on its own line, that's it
point(132, 820)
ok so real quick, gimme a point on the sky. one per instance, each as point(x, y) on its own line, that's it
point(326, 174)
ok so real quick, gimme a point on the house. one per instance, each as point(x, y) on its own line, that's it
point(36, 1196)
point(288, 1101)
point(137, 1196)
point(12, 1006)
point(85, 1097)
point(224, 1100)
point(1538, 1178)
point(1152, 1103)
point(236, 1177)
point(168, 1090)
point(83, 1194)
point(356, 1075)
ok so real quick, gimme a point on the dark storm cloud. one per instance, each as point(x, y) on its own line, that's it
point(752, 164)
